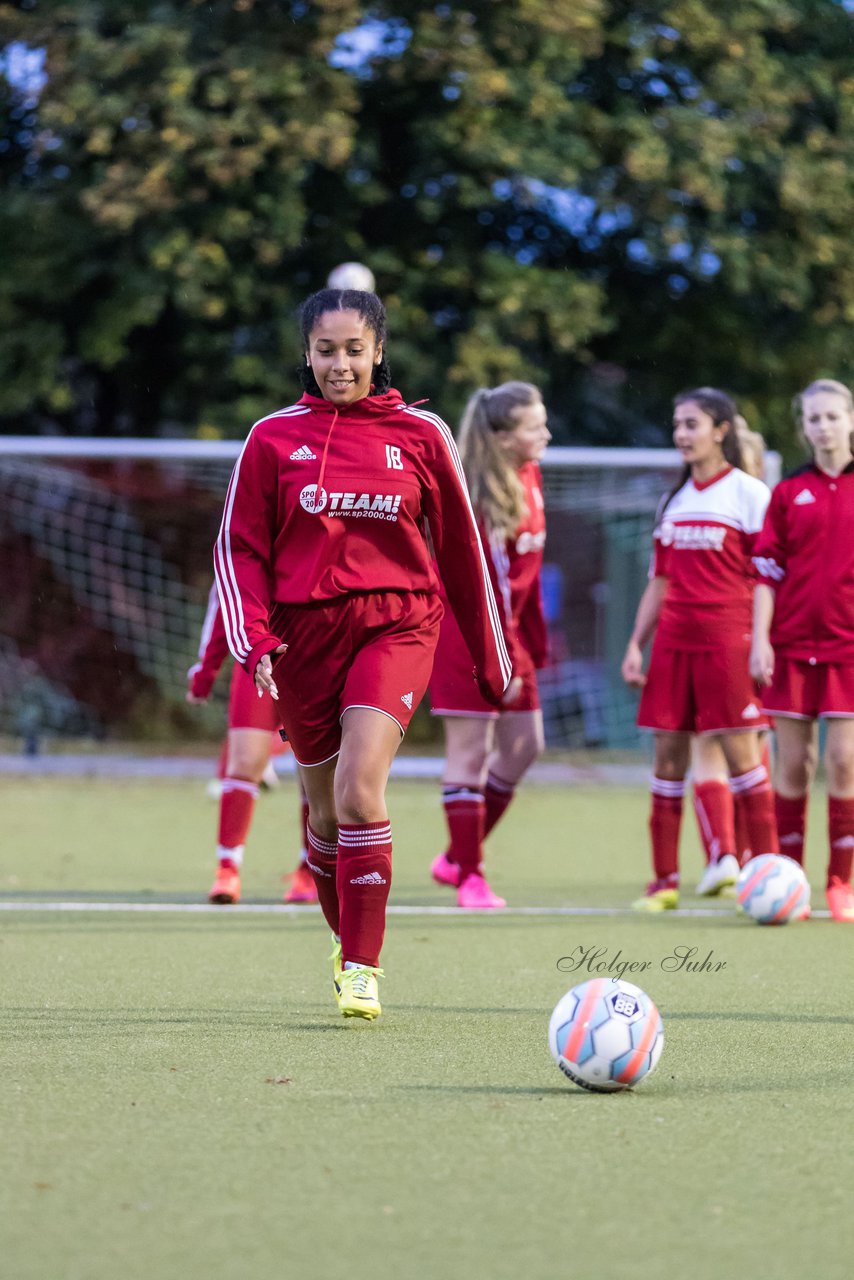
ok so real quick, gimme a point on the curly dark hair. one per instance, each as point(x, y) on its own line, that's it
point(368, 307)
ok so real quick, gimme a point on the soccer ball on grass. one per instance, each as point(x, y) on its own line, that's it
point(773, 889)
point(606, 1035)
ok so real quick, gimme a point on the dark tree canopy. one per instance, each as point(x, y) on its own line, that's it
point(616, 200)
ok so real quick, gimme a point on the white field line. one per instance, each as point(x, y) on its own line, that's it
point(283, 909)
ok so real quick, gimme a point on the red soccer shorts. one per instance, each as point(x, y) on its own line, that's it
point(245, 709)
point(373, 650)
point(702, 691)
point(453, 689)
point(807, 690)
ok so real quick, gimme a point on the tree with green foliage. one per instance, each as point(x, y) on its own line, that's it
point(613, 199)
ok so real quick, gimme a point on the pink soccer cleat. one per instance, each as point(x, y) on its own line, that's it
point(302, 887)
point(840, 899)
point(444, 871)
point(475, 894)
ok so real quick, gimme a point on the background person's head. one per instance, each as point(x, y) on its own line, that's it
point(752, 448)
point(344, 343)
point(502, 428)
point(825, 413)
point(704, 429)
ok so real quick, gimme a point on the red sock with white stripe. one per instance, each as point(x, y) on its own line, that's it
point(715, 818)
point(322, 862)
point(791, 813)
point(464, 814)
point(364, 880)
point(236, 806)
point(664, 823)
point(840, 822)
point(757, 800)
point(497, 794)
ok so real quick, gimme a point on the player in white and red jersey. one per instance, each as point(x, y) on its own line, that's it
point(322, 567)
point(489, 749)
point(251, 741)
point(803, 638)
point(698, 602)
point(719, 811)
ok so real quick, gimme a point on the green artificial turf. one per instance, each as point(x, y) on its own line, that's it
point(181, 1099)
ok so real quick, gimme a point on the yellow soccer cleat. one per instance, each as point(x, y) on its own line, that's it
point(660, 895)
point(335, 957)
point(358, 993)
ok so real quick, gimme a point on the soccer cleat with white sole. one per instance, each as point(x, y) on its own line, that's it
point(358, 992)
point(719, 876)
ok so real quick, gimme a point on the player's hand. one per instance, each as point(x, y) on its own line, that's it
point(511, 693)
point(264, 681)
point(632, 668)
point(193, 699)
point(762, 662)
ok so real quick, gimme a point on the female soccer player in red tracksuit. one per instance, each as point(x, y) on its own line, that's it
point(488, 750)
point(803, 639)
point(698, 602)
point(330, 600)
point(253, 734)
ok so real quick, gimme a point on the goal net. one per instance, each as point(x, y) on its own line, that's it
point(107, 554)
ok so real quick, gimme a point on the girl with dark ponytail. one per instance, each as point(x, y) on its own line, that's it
point(698, 603)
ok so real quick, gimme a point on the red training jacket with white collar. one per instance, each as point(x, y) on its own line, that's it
point(805, 552)
point(326, 502)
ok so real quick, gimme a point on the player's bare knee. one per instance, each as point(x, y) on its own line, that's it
point(323, 822)
point(357, 801)
point(839, 766)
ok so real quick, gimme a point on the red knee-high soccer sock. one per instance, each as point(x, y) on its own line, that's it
point(757, 800)
point(364, 880)
point(236, 806)
point(791, 814)
point(840, 822)
point(497, 794)
point(665, 820)
point(742, 839)
point(714, 809)
point(464, 814)
point(742, 836)
point(322, 862)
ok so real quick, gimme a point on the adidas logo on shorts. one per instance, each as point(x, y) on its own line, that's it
point(751, 712)
point(406, 699)
point(303, 454)
point(804, 497)
point(373, 877)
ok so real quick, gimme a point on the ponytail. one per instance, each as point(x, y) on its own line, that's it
point(496, 491)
